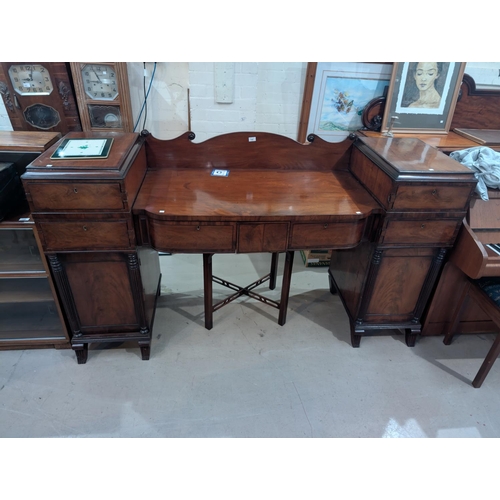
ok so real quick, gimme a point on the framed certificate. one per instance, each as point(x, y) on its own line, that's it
point(83, 149)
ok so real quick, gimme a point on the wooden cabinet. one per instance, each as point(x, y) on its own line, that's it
point(29, 307)
point(82, 209)
point(30, 314)
point(385, 283)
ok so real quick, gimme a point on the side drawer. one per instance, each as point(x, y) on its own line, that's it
point(441, 232)
point(86, 235)
point(192, 237)
point(431, 197)
point(327, 235)
point(50, 196)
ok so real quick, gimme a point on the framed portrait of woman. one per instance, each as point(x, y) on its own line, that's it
point(422, 97)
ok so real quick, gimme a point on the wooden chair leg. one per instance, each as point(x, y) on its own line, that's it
point(487, 363)
point(285, 287)
point(457, 314)
point(207, 289)
point(274, 270)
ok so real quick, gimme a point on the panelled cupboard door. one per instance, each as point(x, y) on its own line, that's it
point(101, 292)
point(400, 277)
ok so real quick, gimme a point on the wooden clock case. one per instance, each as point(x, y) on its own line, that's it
point(61, 100)
point(94, 112)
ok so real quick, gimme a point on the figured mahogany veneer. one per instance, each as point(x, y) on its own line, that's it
point(279, 196)
point(386, 283)
point(82, 209)
point(388, 208)
point(274, 184)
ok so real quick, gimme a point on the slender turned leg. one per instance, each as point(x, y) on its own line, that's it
point(145, 346)
point(81, 351)
point(207, 289)
point(457, 314)
point(274, 270)
point(285, 287)
point(487, 363)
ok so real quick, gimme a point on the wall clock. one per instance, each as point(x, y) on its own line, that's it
point(103, 95)
point(39, 96)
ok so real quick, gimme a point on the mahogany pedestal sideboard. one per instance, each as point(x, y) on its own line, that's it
point(82, 210)
point(385, 283)
point(388, 207)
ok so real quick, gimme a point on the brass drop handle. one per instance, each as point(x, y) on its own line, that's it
point(434, 192)
point(85, 228)
point(75, 190)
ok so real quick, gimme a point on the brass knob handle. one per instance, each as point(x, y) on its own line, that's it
point(434, 192)
point(197, 228)
point(325, 226)
point(422, 226)
point(75, 190)
point(85, 228)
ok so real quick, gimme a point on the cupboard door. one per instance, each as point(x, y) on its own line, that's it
point(400, 277)
point(102, 297)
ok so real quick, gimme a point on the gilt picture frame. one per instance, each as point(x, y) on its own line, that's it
point(422, 97)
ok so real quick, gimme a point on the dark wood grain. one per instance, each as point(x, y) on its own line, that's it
point(247, 194)
point(476, 109)
point(82, 208)
point(257, 150)
point(115, 163)
point(27, 141)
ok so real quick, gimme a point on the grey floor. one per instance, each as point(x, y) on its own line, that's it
point(250, 377)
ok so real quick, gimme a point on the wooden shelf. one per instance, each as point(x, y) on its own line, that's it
point(25, 291)
point(37, 320)
point(19, 250)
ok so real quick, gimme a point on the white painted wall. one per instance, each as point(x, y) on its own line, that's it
point(266, 97)
point(4, 117)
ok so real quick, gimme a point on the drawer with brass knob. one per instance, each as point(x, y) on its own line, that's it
point(87, 234)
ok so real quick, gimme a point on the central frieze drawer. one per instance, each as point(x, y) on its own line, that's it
point(83, 235)
point(75, 196)
point(403, 232)
point(267, 237)
point(192, 237)
point(326, 235)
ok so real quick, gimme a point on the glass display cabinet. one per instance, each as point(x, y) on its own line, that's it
point(30, 312)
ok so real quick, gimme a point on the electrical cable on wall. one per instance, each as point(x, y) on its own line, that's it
point(146, 94)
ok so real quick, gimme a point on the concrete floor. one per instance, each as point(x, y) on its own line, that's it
point(250, 377)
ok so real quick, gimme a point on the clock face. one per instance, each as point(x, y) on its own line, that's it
point(30, 79)
point(99, 81)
